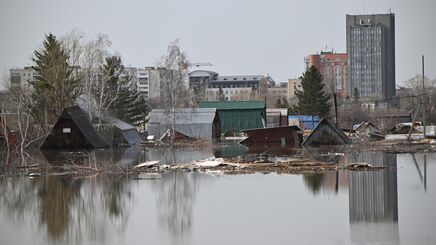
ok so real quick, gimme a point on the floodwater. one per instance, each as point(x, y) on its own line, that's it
point(395, 205)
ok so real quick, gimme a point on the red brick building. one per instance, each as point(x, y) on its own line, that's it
point(333, 67)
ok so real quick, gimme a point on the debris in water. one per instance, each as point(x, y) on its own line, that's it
point(146, 164)
point(34, 175)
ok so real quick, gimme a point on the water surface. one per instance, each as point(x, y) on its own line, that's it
point(391, 206)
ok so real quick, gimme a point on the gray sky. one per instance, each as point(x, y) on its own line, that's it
point(236, 36)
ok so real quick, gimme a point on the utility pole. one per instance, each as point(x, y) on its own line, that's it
point(422, 103)
point(336, 110)
point(423, 97)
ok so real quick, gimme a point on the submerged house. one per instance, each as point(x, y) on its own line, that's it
point(238, 115)
point(122, 133)
point(326, 133)
point(289, 136)
point(367, 131)
point(199, 123)
point(73, 130)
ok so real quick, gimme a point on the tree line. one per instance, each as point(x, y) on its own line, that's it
point(68, 69)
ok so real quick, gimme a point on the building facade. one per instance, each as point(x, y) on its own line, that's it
point(240, 87)
point(294, 85)
point(371, 55)
point(229, 93)
point(333, 68)
point(21, 77)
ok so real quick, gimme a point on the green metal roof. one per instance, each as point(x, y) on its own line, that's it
point(232, 105)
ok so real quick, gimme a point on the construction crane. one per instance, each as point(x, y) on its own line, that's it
point(199, 64)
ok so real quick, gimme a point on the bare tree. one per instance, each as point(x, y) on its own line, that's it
point(21, 106)
point(415, 83)
point(173, 82)
point(89, 55)
point(4, 129)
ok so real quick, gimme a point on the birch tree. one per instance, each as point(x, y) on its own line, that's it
point(90, 55)
point(173, 83)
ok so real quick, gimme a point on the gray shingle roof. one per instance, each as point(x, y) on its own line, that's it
point(118, 123)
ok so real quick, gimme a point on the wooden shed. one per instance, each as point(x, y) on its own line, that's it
point(326, 133)
point(123, 133)
point(290, 136)
point(238, 115)
point(198, 123)
point(73, 130)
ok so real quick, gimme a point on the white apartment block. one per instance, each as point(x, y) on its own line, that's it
point(231, 94)
point(23, 76)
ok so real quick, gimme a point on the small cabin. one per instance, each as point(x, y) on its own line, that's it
point(73, 130)
point(196, 123)
point(326, 134)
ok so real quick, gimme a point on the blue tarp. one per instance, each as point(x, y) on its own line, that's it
point(305, 121)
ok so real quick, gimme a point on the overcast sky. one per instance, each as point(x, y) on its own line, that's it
point(236, 36)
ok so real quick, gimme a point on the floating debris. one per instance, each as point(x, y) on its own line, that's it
point(34, 175)
point(146, 164)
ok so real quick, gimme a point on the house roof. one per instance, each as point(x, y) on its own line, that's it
point(128, 131)
point(82, 121)
point(296, 128)
point(202, 73)
point(118, 123)
point(364, 124)
point(183, 116)
point(131, 136)
point(338, 134)
point(233, 105)
point(80, 118)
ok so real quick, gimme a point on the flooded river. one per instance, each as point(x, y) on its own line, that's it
point(395, 205)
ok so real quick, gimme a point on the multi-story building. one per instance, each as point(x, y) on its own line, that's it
point(143, 83)
point(231, 94)
point(23, 76)
point(333, 68)
point(130, 73)
point(293, 86)
point(371, 55)
point(279, 91)
point(235, 87)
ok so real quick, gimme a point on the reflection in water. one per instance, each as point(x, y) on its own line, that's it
point(373, 195)
point(69, 209)
point(373, 200)
point(314, 181)
point(178, 155)
point(120, 156)
point(56, 195)
point(176, 195)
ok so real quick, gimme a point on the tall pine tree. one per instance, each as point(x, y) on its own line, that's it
point(55, 88)
point(312, 99)
point(118, 96)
